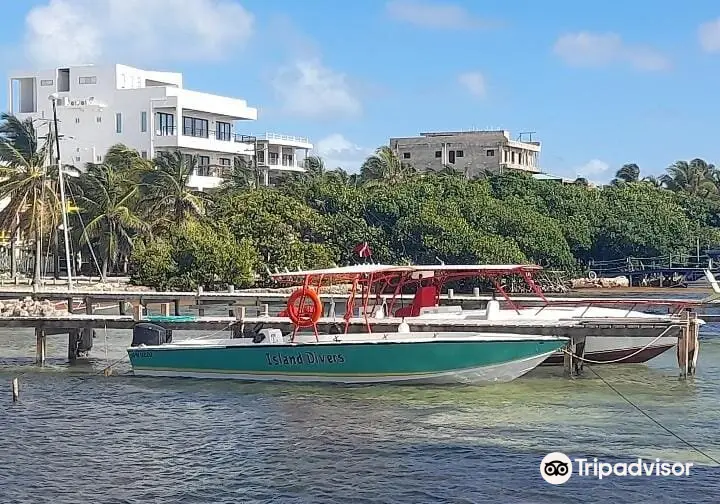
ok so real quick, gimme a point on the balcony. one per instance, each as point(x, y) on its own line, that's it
point(209, 176)
point(204, 140)
point(285, 164)
point(287, 140)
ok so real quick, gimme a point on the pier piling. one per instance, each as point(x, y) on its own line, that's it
point(40, 345)
point(15, 390)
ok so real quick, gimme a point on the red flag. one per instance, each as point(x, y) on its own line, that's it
point(363, 249)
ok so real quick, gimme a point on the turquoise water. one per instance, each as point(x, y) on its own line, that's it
point(77, 436)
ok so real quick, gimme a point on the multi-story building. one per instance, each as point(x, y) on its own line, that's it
point(100, 106)
point(471, 152)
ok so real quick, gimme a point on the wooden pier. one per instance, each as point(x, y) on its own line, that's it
point(249, 311)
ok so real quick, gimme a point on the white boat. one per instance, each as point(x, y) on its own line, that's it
point(382, 285)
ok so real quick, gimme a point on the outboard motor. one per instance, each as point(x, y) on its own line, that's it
point(145, 333)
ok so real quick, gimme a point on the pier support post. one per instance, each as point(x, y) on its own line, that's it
point(451, 293)
point(687, 346)
point(573, 362)
point(165, 309)
point(40, 346)
point(476, 292)
point(73, 338)
point(177, 307)
point(70, 305)
point(121, 308)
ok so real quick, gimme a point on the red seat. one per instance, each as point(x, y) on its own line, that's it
point(424, 297)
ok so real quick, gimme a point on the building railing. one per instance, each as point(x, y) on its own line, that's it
point(222, 136)
point(287, 138)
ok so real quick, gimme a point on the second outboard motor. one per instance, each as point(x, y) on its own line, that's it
point(145, 333)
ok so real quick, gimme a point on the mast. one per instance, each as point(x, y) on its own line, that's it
point(61, 181)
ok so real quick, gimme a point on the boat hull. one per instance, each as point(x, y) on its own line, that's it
point(469, 360)
point(598, 348)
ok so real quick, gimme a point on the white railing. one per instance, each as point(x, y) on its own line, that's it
point(288, 138)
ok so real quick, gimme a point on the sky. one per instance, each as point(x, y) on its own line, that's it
point(600, 84)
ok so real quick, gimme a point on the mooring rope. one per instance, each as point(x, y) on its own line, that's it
point(687, 443)
point(615, 361)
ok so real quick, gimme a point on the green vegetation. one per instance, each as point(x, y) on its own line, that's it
point(139, 214)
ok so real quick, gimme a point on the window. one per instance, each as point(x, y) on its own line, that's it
point(77, 120)
point(192, 126)
point(261, 156)
point(287, 160)
point(98, 119)
point(188, 159)
point(223, 131)
point(47, 82)
point(438, 154)
point(451, 157)
point(203, 166)
point(165, 124)
point(273, 158)
point(143, 122)
point(512, 157)
point(118, 122)
point(406, 155)
point(77, 158)
point(63, 78)
point(98, 159)
point(459, 153)
point(143, 154)
point(87, 80)
point(490, 152)
point(224, 161)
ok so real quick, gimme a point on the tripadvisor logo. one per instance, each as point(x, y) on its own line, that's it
point(556, 468)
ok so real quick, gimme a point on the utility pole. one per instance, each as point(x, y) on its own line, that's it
point(61, 181)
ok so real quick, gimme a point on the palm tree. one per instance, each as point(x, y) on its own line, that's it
point(165, 193)
point(652, 181)
point(244, 174)
point(314, 166)
point(109, 198)
point(451, 171)
point(696, 177)
point(125, 159)
point(627, 173)
point(386, 166)
point(29, 184)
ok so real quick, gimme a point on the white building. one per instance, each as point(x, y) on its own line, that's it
point(100, 106)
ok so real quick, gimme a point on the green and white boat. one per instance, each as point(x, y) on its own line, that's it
point(463, 357)
point(352, 358)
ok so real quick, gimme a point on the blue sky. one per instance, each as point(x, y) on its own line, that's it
point(601, 85)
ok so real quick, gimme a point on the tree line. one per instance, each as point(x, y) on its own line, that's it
point(129, 212)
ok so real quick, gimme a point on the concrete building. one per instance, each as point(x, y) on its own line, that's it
point(100, 106)
point(469, 151)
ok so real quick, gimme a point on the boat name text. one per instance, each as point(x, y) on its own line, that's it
point(279, 359)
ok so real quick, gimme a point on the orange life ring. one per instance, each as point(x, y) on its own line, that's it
point(304, 315)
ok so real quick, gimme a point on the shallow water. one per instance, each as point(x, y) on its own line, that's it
point(77, 436)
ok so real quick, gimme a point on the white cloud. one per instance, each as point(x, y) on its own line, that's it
point(337, 151)
point(474, 82)
point(309, 89)
point(592, 169)
point(709, 36)
point(92, 31)
point(585, 49)
point(434, 15)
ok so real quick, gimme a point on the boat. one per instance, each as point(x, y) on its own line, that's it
point(386, 284)
point(305, 355)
